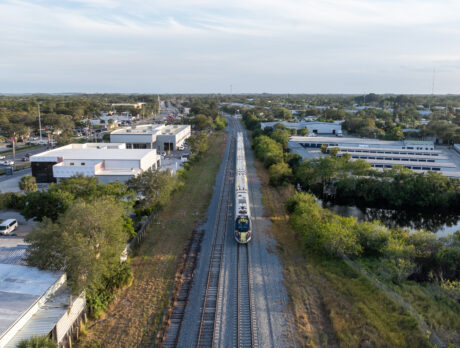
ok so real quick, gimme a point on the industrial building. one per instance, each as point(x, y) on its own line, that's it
point(419, 156)
point(313, 127)
point(153, 136)
point(106, 161)
point(363, 143)
point(36, 303)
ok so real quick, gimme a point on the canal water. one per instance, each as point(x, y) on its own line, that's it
point(440, 223)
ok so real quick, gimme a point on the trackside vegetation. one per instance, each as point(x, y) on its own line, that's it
point(351, 182)
point(136, 314)
point(420, 266)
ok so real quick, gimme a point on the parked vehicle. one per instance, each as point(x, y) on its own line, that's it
point(2, 157)
point(8, 226)
point(7, 163)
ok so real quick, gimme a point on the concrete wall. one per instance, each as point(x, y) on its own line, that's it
point(118, 164)
point(106, 179)
point(133, 138)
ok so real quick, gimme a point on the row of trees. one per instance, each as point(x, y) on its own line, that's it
point(84, 226)
point(403, 255)
point(351, 182)
point(61, 114)
point(355, 183)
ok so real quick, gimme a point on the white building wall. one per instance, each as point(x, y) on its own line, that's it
point(118, 164)
point(133, 138)
point(62, 170)
point(149, 162)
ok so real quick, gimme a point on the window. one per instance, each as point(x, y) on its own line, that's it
point(72, 164)
point(82, 163)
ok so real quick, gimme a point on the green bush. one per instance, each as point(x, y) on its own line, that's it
point(99, 296)
point(37, 342)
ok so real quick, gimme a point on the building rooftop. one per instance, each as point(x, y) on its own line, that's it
point(21, 287)
point(44, 320)
point(155, 129)
point(103, 152)
point(362, 141)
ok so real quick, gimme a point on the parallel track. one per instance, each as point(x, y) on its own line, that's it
point(180, 302)
point(245, 308)
point(246, 320)
point(213, 290)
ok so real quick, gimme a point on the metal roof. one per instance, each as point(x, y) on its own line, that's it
point(20, 287)
point(44, 320)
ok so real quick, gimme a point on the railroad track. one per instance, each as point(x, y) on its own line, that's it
point(210, 305)
point(176, 316)
point(247, 336)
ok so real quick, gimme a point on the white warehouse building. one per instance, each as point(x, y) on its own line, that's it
point(313, 127)
point(106, 161)
point(419, 156)
point(152, 136)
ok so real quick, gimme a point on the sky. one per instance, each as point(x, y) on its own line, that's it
point(223, 46)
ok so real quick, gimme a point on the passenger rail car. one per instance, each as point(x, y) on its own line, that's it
point(243, 226)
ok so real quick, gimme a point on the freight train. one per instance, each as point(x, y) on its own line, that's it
point(243, 226)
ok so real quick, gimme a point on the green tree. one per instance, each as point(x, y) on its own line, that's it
point(198, 143)
point(220, 122)
point(154, 188)
point(281, 136)
point(282, 114)
point(28, 183)
point(303, 132)
point(280, 173)
point(86, 241)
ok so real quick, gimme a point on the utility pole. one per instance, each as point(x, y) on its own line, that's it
point(14, 150)
point(39, 124)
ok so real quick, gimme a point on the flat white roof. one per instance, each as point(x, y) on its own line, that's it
point(388, 149)
point(346, 140)
point(158, 129)
point(412, 164)
point(92, 154)
point(391, 155)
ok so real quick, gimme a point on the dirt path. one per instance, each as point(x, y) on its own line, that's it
point(312, 321)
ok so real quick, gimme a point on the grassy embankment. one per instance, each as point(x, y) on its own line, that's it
point(133, 318)
point(334, 305)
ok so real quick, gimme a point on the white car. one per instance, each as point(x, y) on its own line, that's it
point(8, 226)
point(7, 163)
point(2, 157)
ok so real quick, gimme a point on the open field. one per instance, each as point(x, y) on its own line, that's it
point(133, 318)
point(332, 304)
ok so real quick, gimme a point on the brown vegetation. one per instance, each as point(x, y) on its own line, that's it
point(134, 317)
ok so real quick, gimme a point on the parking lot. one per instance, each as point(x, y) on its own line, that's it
point(25, 226)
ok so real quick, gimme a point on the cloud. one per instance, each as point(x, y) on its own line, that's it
point(261, 42)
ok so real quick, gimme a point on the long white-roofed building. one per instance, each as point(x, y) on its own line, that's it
point(152, 136)
point(419, 156)
point(315, 127)
point(106, 161)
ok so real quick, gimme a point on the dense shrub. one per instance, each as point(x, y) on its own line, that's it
point(403, 254)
